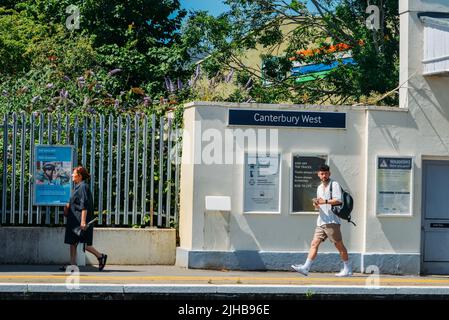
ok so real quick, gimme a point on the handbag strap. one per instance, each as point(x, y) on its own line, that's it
point(330, 189)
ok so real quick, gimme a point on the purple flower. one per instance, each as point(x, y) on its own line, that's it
point(109, 95)
point(172, 86)
point(66, 78)
point(4, 93)
point(180, 86)
point(81, 82)
point(64, 94)
point(49, 85)
point(116, 103)
point(145, 101)
point(115, 71)
point(98, 86)
point(167, 83)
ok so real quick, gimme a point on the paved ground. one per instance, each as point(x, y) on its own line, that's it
point(177, 275)
point(211, 294)
point(160, 282)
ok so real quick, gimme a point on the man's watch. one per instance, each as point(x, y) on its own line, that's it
point(326, 201)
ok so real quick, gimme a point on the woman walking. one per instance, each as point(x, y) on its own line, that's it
point(79, 212)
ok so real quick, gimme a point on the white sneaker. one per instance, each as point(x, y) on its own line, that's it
point(344, 273)
point(300, 268)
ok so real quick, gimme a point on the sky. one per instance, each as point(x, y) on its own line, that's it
point(214, 7)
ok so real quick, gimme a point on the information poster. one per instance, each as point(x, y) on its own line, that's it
point(305, 181)
point(394, 185)
point(52, 175)
point(261, 186)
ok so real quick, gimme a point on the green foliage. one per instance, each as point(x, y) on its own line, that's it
point(251, 24)
point(47, 68)
point(117, 61)
point(18, 35)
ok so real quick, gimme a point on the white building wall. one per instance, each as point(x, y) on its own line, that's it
point(284, 232)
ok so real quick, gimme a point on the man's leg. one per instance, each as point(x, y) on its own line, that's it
point(313, 251)
point(347, 269)
point(314, 248)
point(342, 250)
point(318, 237)
point(334, 234)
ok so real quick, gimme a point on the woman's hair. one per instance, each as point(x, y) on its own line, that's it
point(83, 172)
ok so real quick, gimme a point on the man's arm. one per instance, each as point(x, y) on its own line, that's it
point(336, 197)
point(333, 202)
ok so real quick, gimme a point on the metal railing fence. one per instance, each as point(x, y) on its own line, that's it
point(133, 161)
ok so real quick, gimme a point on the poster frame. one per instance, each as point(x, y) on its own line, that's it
point(290, 193)
point(50, 204)
point(412, 178)
point(280, 157)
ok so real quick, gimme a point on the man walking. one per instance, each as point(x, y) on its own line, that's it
point(328, 224)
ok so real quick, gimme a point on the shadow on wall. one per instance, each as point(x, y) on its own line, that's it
point(249, 258)
point(439, 89)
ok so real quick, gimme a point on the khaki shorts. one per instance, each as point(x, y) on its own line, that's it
point(331, 231)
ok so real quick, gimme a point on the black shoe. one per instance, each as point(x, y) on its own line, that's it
point(102, 262)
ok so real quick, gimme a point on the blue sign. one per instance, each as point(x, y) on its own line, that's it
point(297, 119)
point(52, 175)
point(395, 163)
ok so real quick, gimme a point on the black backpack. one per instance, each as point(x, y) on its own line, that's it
point(344, 209)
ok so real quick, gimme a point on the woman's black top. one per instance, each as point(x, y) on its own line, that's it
point(80, 200)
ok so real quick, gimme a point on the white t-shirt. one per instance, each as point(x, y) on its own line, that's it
point(326, 215)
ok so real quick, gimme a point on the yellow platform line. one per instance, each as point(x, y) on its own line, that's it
point(232, 279)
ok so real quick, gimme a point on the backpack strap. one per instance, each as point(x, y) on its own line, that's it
point(349, 218)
